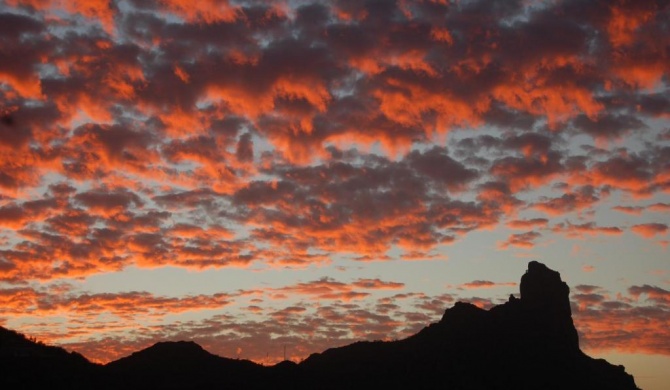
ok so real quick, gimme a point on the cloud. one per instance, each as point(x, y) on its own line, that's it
point(329, 289)
point(624, 329)
point(609, 126)
point(628, 323)
point(437, 165)
point(659, 207)
point(586, 288)
point(303, 328)
point(377, 284)
point(527, 223)
point(650, 230)
point(636, 321)
point(587, 299)
point(105, 201)
point(209, 11)
point(633, 173)
point(280, 136)
point(653, 293)
point(477, 284)
point(527, 172)
point(581, 198)
point(633, 210)
point(521, 240)
point(127, 306)
point(586, 228)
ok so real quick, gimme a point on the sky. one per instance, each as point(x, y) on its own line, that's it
point(256, 175)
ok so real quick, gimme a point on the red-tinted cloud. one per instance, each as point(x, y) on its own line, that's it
point(527, 223)
point(633, 210)
point(522, 240)
point(583, 197)
point(128, 306)
point(628, 323)
point(650, 230)
point(652, 293)
point(589, 228)
point(659, 207)
point(327, 288)
point(218, 134)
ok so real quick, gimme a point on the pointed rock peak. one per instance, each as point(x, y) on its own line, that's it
point(543, 287)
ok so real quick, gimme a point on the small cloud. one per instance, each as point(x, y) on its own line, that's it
point(523, 240)
point(478, 284)
point(649, 230)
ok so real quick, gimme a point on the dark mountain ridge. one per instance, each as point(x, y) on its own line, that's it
point(526, 343)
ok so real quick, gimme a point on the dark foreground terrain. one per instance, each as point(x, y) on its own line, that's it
point(526, 343)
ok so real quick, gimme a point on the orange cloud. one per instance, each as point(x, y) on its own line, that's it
point(128, 305)
point(330, 289)
point(376, 284)
point(590, 228)
point(653, 293)
point(208, 11)
point(624, 329)
point(624, 21)
point(28, 87)
point(659, 207)
point(100, 10)
point(649, 230)
point(523, 240)
point(305, 329)
point(220, 134)
point(581, 198)
point(633, 210)
point(527, 223)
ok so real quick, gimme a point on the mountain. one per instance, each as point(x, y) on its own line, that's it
point(179, 365)
point(526, 343)
point(25, 363)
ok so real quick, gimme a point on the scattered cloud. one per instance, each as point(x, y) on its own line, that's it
point(242, 134)
point(650, 230)
point(477, 284)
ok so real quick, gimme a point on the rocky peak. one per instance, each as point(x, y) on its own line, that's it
point(546, 304)
point(542, 287)
point(527, 343)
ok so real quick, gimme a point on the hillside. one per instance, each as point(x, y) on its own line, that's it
point(527, 343)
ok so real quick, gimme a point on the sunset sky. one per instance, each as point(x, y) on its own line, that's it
point(252, 175)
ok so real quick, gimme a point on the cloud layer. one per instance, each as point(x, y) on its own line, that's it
point(240, 134)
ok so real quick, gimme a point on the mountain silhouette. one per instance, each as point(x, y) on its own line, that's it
point(25, 363)
point(526, 343)
point(179, 365)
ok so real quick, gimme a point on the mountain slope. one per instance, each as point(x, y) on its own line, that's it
point(526, 343)
point(179, 365)
point(26, 363)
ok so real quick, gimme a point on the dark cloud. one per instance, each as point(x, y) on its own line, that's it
point(581, 198)
point(105, 200)
point(609, 126)
point(437, 165)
